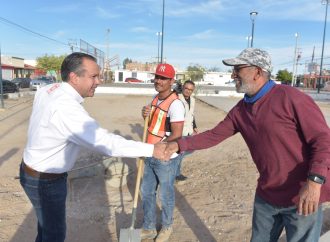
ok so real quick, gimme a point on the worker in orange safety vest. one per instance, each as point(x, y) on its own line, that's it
point(166, 120)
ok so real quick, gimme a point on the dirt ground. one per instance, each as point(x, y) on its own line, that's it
point(214, 204)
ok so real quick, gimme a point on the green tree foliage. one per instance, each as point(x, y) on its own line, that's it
point(50, 63)
point(195, 72)
point(284, 76)
point(126, 61)
point(214, 69)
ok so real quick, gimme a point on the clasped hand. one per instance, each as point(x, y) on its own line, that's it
point(164, 150)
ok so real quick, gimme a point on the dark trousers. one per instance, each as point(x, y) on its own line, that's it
point(269, 222)
point(48, 199)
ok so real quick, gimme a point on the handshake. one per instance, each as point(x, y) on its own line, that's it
point(164, 150)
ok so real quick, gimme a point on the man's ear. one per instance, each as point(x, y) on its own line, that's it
point(73, 78)
point(259, 73)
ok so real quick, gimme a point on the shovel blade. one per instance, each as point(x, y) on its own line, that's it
point(130, 235)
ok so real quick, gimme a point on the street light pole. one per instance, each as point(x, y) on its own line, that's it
point(294, 61)
point(161, 52)
point(158, 35)
point(324, 30)
point(253, 15)
point(248, 41)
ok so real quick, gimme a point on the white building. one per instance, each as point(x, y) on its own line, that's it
point(121, 75)
point(217, 78)
point(209, 78)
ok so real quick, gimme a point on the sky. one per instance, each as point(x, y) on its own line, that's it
point(196, 32)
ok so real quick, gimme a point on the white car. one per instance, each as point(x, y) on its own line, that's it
point(36, 84)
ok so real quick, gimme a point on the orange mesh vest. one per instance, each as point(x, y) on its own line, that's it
point(157, 124)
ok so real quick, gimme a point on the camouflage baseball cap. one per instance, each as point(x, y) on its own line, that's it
point(251, 56)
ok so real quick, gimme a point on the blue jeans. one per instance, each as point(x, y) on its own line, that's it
point(178, 171)
point(269, 221)
point(48, 199)
point(160, 173)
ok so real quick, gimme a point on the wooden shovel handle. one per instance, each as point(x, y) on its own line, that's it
point(140, 165)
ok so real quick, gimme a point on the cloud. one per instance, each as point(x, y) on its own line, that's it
point(103, 13)
point(202, 8)
point(207, 34)
point(302, 10)
point(59, 9)
point(59, 34)
point(140, 29)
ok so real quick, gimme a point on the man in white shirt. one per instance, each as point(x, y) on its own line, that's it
point(190, 127)
point(166, 118)
point(59, 129)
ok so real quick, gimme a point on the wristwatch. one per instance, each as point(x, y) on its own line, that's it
point(316, 178)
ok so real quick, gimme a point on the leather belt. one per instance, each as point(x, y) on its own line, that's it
point(42, 175)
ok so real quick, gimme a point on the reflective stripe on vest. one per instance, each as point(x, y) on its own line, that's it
point(158, 115)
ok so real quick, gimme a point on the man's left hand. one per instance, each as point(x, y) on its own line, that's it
point(309, 197)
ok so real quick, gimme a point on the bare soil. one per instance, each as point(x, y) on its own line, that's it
point(214, 204)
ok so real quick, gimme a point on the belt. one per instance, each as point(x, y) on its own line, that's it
point(42, 175)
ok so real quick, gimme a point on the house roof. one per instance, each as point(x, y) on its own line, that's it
point(29, 67)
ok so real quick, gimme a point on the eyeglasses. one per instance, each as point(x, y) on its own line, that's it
point(163, 78)
point(236, 69)
point(189, 89)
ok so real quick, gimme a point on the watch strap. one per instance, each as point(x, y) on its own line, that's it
point(316, 178)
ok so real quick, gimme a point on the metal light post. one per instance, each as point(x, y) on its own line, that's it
point(248, 41)
point(324, 30)
point(253, 16)
point(161, 52)
point(158, 34)
point(294, 61)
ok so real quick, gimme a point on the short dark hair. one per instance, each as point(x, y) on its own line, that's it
point(189, 82)
point(72, 63)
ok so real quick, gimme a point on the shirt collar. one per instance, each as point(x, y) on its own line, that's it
point(260, 93)
point(72, 92)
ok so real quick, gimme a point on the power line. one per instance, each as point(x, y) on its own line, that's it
point(302, 59)
point(31, 31)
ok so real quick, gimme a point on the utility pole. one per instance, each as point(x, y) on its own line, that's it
point(1, 87)
point(72, 44)
point(161, 52)
point(107, 62)
point(108, 49)
point(294, 61)
point(324, 30)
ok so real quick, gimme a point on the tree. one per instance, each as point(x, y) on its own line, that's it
point(50, 63)
point(195, 72)
point(284, 76)
point(126, 61)
point(214, 69)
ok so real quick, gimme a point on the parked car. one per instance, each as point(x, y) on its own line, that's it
point(9, 87)
point(22, 82)
point(46, 78)
point(133, 80)
point(36, 84)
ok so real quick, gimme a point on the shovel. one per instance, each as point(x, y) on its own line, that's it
point(131, 234)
